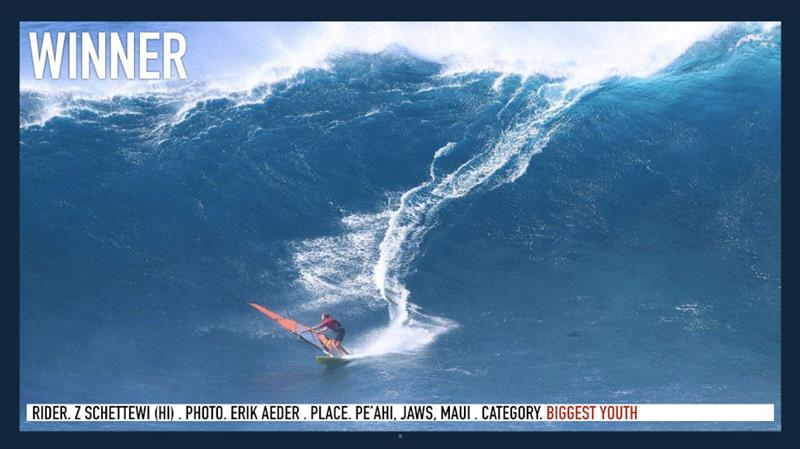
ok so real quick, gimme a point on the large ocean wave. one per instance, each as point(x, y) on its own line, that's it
point(349, 184)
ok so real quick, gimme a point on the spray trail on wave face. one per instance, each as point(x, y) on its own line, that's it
point(371, 259)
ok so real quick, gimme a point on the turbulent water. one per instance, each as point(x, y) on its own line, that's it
point(483, 236)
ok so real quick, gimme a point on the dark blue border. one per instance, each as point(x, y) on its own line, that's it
point(574, 10)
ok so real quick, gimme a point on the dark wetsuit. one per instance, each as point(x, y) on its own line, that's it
point(336, 327)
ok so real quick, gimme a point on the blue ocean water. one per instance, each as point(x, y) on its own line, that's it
point(484, 237)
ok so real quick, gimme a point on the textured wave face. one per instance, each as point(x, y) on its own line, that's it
point(485, 236)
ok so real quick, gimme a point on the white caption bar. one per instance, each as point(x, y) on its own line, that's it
point(400, 412)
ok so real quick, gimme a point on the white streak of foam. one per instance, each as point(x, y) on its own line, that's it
point(498, 82)
point(443, 151)
point(511, 148)
point(409, 223)
point(381, 247)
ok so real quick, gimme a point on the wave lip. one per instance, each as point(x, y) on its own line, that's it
point(583, 53)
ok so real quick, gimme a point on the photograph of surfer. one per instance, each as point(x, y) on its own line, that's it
point(594, 206)
point(329, 322)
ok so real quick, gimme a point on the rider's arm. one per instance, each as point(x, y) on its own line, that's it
point(319, 326)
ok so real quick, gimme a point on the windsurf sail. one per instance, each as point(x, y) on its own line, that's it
point(319, 341)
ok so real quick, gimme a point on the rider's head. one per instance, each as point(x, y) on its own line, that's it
point(325, 315)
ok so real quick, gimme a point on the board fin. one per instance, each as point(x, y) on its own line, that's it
point(331, 360)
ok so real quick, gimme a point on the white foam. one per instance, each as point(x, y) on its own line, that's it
point(57, 101)
point(337, 269)
point(582, 52)
point(760, 36)
point(402, 338)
